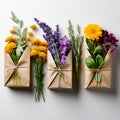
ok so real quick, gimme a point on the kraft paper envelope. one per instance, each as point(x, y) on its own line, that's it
point(60, 78)
point(22, 69)
point(105, 71)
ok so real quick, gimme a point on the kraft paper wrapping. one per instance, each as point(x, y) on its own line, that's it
point(55, 81)
point(105, 71)
point(22, 68)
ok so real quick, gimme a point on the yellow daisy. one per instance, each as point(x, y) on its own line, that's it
point(11, 39)
point(33, 27)
point(93, 32)
point(9, 47)
point(36, 41)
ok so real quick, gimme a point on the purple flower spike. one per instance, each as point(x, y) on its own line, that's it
point(64, 48)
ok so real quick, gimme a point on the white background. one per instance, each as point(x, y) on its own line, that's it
point(100, 104)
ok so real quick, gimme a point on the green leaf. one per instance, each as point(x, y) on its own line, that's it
point(90, 46)
point(97, 50)
point(24, 33)
point(19, 50)
point(21, 23)
point(17, 30)
point(14, 18)
point(98, 77)
point(99, 61)
point(90, 62)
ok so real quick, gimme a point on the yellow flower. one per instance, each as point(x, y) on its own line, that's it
point(12, 31)
point(43, 55)
point(30, 34)
point(9, 47)
point(93, 32)
point(41, 48)
point(34, 52)
point(11, 39)
point(36, 41)
point(33, 27)
point(44, 43)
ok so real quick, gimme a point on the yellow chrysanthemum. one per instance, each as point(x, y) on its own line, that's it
point(41, 48)
point(43, 55)
point(11, 39)
point(93, 32)
point(44, 43)
point(30, 34)
point(36, 41)
point(9, 47)
point(34, 52)
point(12, 31)
point(33, 27)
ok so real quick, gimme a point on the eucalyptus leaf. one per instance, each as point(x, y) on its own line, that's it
point(15, 20)
point(97, 50)
point(90, 62)
point(19, 50)
point(90, 46)
point(17, 30)
point(99, 61)
point(21, 23)
point(24, 33)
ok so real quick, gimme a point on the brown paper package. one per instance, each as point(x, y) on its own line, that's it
point(55, 82)
point(22, 68)
point(105, 71)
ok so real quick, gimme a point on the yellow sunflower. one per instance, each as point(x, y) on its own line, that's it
point(93, 32)
point(11, 39)
point(10, 47)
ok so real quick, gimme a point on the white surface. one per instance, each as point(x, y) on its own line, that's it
point(87, 104)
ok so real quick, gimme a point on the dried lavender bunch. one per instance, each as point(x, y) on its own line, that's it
point(53, 40)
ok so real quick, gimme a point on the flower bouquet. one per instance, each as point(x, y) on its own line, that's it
point(39, 56)
point(59, 58)
point(17, 57)
point(98, 59)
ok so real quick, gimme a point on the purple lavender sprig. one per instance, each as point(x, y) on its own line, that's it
point(64, 48)
point(52, 38)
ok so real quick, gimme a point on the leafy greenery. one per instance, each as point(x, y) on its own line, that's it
point(76, 45)
point(95, 61)
point(39, 78)
point(21, 34)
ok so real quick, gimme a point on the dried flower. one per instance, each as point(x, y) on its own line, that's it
point(33, 27)
point(12, 31)
point(76, 46)
point(10, 47)
point(64, 49)
point(39, 56)
point(11, 39)
point(30, 34)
